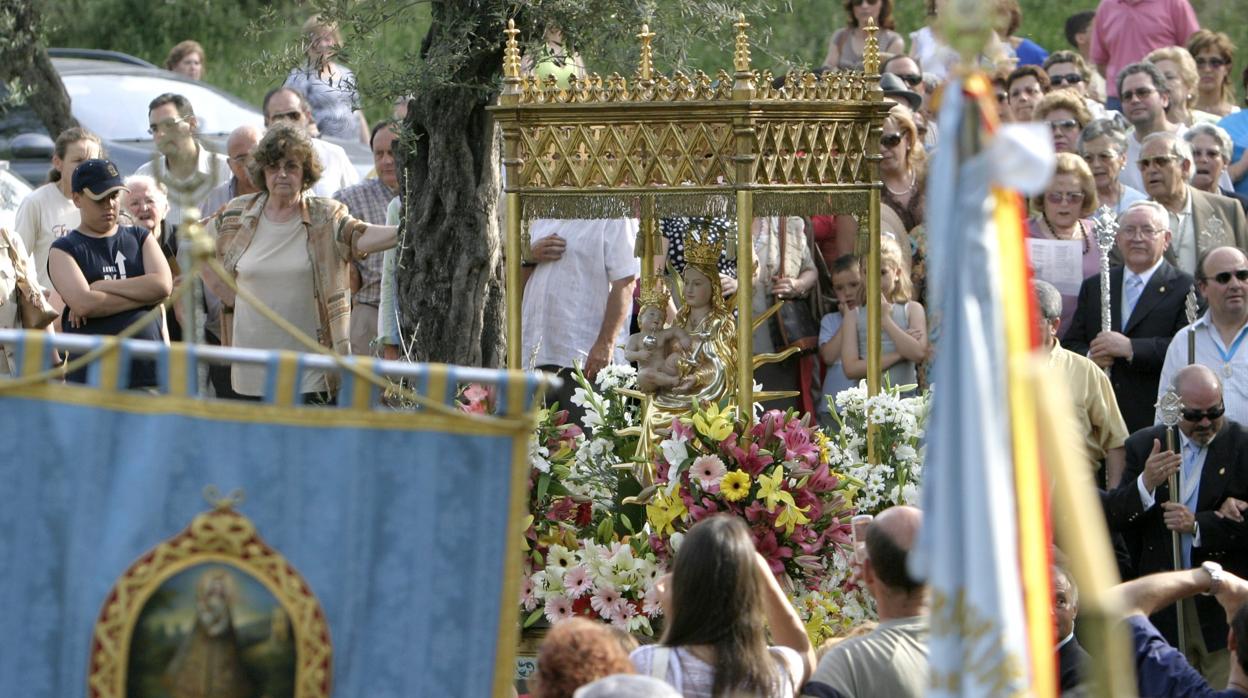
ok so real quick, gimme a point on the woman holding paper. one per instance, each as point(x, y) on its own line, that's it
point(1061, 233)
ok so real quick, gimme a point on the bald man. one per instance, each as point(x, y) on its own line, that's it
point(242, 141)
point(892, 659)
point(1212, 465)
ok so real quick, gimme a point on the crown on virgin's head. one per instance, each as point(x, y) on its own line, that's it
point(702, 247)
point(653, 294)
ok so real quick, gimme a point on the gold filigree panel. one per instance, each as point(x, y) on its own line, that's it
point(807, 152)
point(578, 156)
point(222, 548)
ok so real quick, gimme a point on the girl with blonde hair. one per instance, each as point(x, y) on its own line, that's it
point(903, 324)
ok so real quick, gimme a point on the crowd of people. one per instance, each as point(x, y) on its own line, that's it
point(1141, 109)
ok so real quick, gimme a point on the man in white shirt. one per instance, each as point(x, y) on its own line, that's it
point(187, 168)
point(1145, 98)
point(1199, 221)
point(238, 147)
point(579, 297)
point(1220, 332)
point(289, 105)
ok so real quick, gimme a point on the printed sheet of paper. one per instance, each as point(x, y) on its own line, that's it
point(1059, 262)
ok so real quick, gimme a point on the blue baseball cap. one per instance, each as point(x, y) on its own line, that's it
point(97, 179)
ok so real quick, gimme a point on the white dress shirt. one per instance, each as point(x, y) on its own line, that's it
point(1209, 349)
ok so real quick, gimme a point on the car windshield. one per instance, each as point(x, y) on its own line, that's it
point(115, 106)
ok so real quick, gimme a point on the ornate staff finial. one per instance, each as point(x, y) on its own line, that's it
point(511, 53)
point(645, 70)
point(1105, 226)
point(967, 26)
point(871, 52)
point(741, 57)
point(1170, 407)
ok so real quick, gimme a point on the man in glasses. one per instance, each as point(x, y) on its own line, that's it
point(1212, 465)
point(1147, 297)
point(1223, 280)
point(288, 105)
point(238, 147)
point(1199, 221)
point(1145, 98)
point(187, 168)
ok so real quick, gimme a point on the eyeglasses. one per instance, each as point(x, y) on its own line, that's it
point(1063, 124)
point(1224, 278)
point(910, 78)
point(1001, 97)
point(1155, 161)
point(860, 3)
point(286, 116)
point(890, 140)
point(1069, 79)
point(165, 125)
point(1207, 153)
point(1141, 92)
point(285, 166)
point(1132, 232)
point(1070, 197)
point(1200, 415)
point(1106, 156)
point(1214, 62)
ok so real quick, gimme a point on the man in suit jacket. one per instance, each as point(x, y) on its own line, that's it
point(1213, 466)
point(1072, 660)
point(1199, 221)
point(1155, 294)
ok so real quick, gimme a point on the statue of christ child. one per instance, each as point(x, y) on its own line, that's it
point(661, 353)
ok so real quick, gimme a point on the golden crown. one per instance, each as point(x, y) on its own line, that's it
point(702, 248)
point(653, 294)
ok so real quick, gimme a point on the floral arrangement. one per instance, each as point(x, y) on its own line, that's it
point(598, 540)
point(899, 421)
point(613, 582)
point(776, 474)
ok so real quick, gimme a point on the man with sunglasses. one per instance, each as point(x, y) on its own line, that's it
point(1212, 465)
point(288, 105)
point(1223, 280)
point(186, 165)
point(1199, 221)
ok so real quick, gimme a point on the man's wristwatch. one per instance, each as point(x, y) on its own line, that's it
point(1215, 576)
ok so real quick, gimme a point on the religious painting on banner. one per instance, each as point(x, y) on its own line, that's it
point(213, 611)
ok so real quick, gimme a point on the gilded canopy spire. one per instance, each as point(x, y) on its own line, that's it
point(645, 70)
point(871, 52)
point(741, 57)
point(511, 53)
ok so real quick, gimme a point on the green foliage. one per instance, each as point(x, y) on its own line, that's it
point(251, 44)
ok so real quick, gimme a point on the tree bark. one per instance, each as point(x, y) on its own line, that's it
point(450, 276)
point(23, 57)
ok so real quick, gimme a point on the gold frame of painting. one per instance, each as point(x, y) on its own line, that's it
point(226, 537)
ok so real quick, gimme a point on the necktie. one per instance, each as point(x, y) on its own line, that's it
point(1190, 485)
point(1130, 296)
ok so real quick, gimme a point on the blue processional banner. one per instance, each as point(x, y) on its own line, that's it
point(404, 526)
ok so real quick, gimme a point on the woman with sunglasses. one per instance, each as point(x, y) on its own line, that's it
point(1061, 214)
point(1214, 54)
point(847, 44)
point(1066, 116)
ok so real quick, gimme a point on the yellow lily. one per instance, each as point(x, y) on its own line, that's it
point(524, 540)
point(769, 488)
point(790, 516)
point(713, 424)
point(662, 510)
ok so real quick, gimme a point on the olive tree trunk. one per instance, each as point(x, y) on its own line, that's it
point(23, 57)
point(450, 276)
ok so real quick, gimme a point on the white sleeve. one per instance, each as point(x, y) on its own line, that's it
point(387, 322)
point(621, 235)
point(1146, 497)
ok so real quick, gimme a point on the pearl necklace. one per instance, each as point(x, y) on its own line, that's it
point(909, 188)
